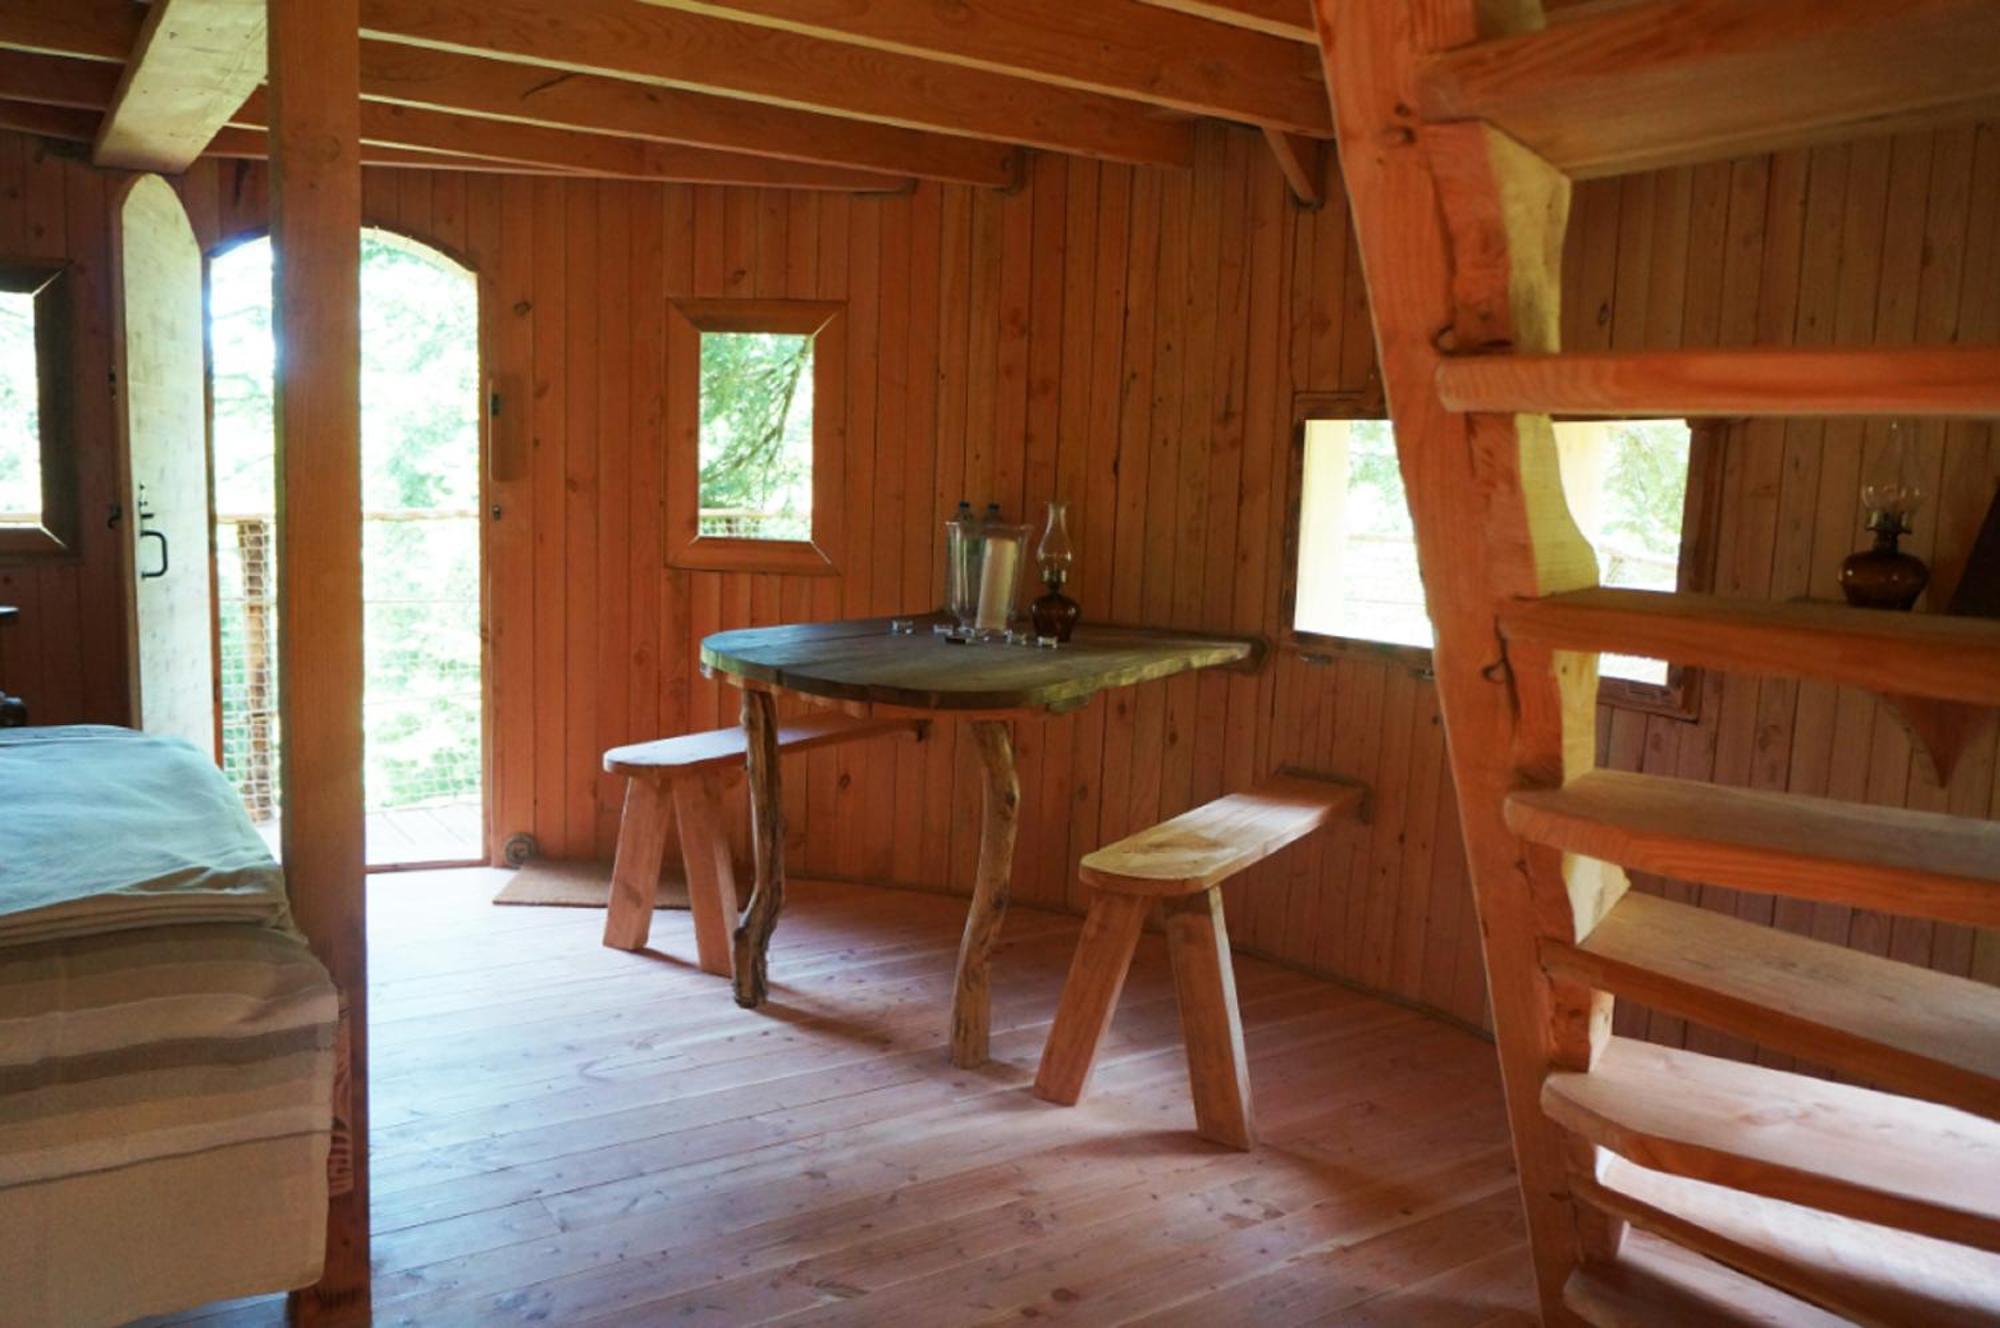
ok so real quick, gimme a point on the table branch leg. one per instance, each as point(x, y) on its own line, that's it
point(767, 836)
point(971, 996)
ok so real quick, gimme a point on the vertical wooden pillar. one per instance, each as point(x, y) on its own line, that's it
point(316, 300)
point(1461, 233)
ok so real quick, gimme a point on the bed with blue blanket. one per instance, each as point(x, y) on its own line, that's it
point(166, 1039)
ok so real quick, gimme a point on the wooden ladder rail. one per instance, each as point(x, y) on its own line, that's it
point(1486, 499)
point(1461, 230)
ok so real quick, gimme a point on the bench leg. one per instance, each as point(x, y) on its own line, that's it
point(767, 841)
point(1090, 994)
point(635, 873)
point(711, 876)
point(971, 997)
point(1205, 983)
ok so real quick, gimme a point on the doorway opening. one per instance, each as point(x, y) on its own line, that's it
point(423, 694)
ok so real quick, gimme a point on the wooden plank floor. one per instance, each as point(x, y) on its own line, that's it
point(571, 1135)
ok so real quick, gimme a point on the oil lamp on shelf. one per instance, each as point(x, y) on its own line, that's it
point(1054, 614)
point(1884, 577)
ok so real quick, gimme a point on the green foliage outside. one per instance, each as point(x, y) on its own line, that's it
point(1377, 504)
point(420, 497)
point(20, 410)
point(1648, 485)
point(756, 435)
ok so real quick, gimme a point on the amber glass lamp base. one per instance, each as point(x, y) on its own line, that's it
point(1883, 577)
point(1054, 614)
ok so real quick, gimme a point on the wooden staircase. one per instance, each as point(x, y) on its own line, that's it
point(1661, 1186)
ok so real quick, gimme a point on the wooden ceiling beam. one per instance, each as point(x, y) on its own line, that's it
point(531, 94)
point(1302, 161)
point(1290, 19)
point(78, 125)
point(1637, 87)
point(53, 80)
point(235, 144)
point(93, 29)
point(61, 98)
point(384, 125)
point(1124, 48)
point(694, 51)
point(195, 62)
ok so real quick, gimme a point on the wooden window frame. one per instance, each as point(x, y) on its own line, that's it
point(56, 534)
point(686, 547)
point(1678, 698)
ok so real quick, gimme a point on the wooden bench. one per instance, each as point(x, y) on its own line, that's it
point(1181, 864)
point(683, 777)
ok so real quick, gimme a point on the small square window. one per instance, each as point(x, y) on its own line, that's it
point(20, 412)
point(756, 435)
point(1642, 491)
point(1357, 548)
point(752, 400)
point(1626, 483)
point(37, 463)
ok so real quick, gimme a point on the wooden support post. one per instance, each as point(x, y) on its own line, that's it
point(316, 299)
point(711, 876)
point(1211, 1025)
point(635, 865)
point(1090, 994)
point(1302, 161)
point(767, 840)
point(971, 997)
point(1461, 235)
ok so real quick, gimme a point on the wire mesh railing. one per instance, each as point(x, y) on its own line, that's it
point(422, 694)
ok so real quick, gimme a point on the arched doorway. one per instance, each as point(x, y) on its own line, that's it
point(423, 699)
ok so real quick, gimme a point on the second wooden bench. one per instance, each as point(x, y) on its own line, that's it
point(1181, 865)
point(682, 778)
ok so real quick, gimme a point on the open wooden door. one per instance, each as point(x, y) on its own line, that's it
point(163, 414)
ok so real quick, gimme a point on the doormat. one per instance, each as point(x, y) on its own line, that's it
point(580, 885)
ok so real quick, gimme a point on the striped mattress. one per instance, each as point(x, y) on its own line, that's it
point(166, 1042)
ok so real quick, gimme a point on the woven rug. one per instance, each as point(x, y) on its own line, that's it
point(580, 885)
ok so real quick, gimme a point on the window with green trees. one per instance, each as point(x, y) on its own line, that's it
point(756, 454)
point(753, 398)
point(1640, 490)
point(20, 412)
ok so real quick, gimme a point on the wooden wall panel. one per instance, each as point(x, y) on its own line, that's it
point(1132, 339)
point(67, 653)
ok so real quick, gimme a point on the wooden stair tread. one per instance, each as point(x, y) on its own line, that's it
point(1654, 1283)
point(1923, 654)
point(1871, 1156)
point(1923, 864)
point(1785, 381)
point(1871, 1274)
point(1214, 841)
point(1677, 82)
point(1912, 1030)
point(717, 747)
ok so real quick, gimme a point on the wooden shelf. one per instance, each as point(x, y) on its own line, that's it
point(1922, 864)
point(1845, 1150)
point(1677, 82)
point(1654, 1283)
point(1924, 654)
point(1907, 1029)
point(1946, 381)
point(1871, 1274)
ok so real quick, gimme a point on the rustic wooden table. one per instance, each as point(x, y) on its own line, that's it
point(864, 668)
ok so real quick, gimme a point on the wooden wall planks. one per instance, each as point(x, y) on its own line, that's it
point(67, 653)
point(1885, 241)
point(1131, 339)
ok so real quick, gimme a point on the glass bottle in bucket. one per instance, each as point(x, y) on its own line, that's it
point(1003, 550)
point(962, 549)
